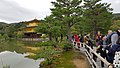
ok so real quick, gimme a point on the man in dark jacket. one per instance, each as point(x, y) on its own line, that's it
point(115, 47)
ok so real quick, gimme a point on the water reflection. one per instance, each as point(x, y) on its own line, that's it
point(16, 60)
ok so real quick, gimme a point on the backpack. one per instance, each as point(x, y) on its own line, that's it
point(115, 47)
point(108, 39)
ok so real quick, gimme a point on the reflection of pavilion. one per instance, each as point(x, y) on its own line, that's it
point(14, 60)
point(29, 31)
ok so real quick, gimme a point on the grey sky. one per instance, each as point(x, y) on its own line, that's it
point(114, 4)
point(22, 10)
point(11, 11)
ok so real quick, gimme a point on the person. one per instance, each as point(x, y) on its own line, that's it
point(114, 37)
point(108, 39)
point(111, 49)
point(116, 52)
point(82, 40)
point(73, 39)
point(98, 38)
point(85, 39)
point(109, 32)
point(101, 48)
point(89, 41)
point(77, 40)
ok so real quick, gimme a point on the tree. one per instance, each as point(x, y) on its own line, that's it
point(115, 25)
point(5, 36)
point(55, 26)
point(67, 12)
point(1, 37)
point(55, 30)
point(10, 30)
point(97, 15)
point(3, 27)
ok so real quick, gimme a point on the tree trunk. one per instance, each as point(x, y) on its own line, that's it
point(50, 36)
point(61, 37)
point(94, 30)
point(69, 33)
point(56, 38)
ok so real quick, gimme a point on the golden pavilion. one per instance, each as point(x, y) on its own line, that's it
point(29, 30)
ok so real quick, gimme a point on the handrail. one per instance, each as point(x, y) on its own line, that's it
point(101, 58)
point(92, 60)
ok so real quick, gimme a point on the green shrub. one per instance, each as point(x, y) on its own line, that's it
point(67, 46)
point(48, 43)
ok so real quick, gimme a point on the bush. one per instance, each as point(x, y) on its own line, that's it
point(48, 43)
point(67, 46)
point(48, 62)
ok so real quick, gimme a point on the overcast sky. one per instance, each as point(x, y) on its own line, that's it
point(24, 10)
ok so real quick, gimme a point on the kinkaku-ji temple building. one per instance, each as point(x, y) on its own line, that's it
point(29, 29)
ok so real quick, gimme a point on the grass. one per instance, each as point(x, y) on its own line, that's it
point(62, 60)
point(65, 60)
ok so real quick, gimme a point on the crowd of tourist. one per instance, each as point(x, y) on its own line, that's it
point(106, 45)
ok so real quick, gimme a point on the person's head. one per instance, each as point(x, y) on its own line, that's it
point(103, 37)
point(98, 33)
point(109, 31)
point(118, 31)
point(88, 34)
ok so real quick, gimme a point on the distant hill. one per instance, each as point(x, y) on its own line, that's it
point(117, 14)
point(10, 29)
point(3, 23)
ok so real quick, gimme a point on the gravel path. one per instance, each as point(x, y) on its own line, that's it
point(80, 60)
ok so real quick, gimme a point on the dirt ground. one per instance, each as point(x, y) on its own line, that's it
point(80, 60)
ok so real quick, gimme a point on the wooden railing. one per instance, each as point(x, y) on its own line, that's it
point(90, 53)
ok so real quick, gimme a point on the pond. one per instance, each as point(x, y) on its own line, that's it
point(15, 60)
point(17, 46)
point(12, 53)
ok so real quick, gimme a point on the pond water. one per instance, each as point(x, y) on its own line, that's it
point(15, 60)
point(9, 57)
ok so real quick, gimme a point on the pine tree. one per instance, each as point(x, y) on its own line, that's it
point(67, 12)
point(97, 15)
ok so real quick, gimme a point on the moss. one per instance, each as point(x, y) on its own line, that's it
point(66, 60)
point(62, 60)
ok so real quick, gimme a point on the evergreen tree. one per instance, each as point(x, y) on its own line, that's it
point(97, 15)
point(67, 12)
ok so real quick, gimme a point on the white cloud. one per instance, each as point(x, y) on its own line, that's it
point(117, 1)
point(114, 4)
point(35, 4)
point(21, 10)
